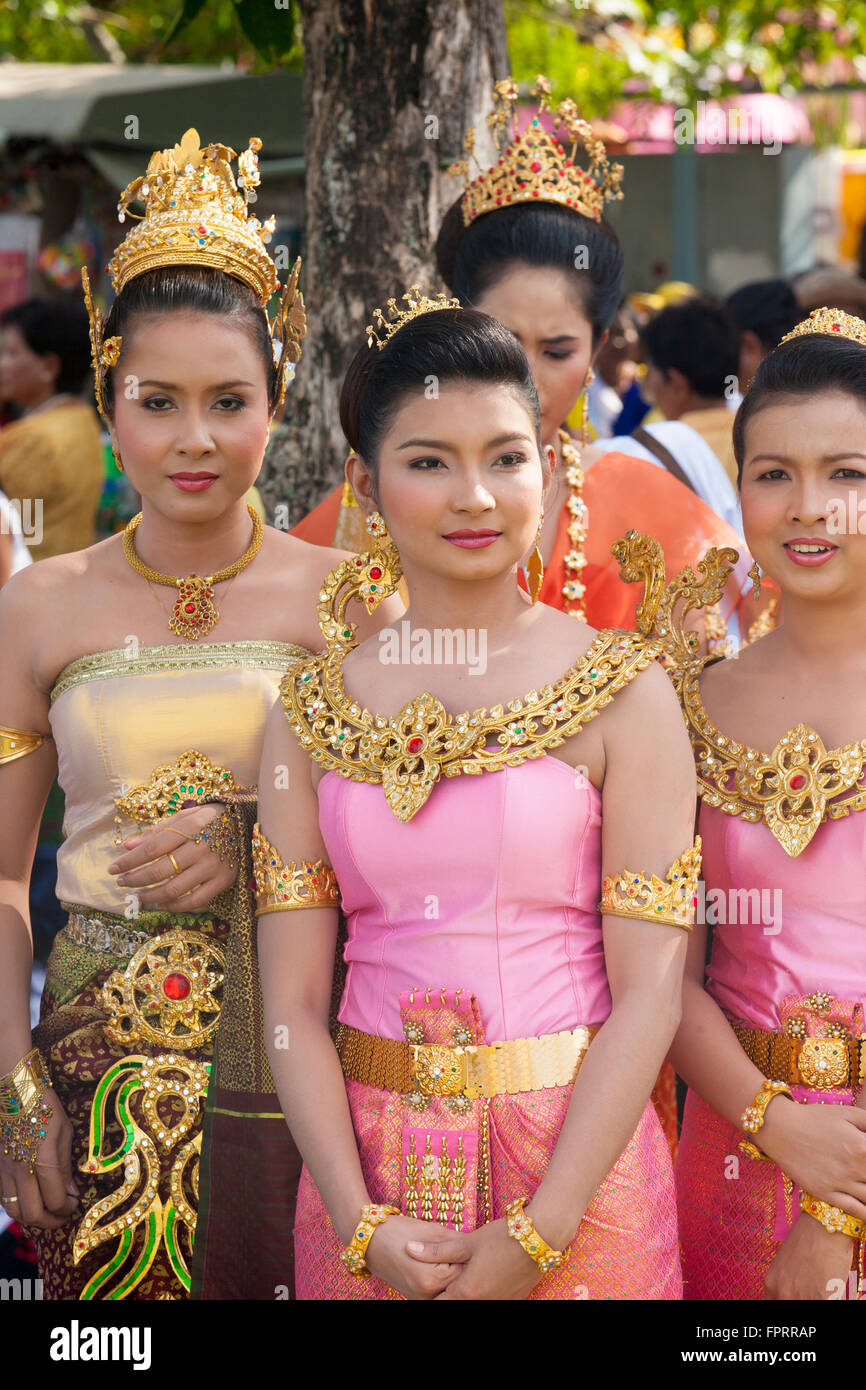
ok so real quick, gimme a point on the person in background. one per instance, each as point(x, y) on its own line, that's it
point(50, 458)
point(692, 358)
point(692, 351)
point(764, 311)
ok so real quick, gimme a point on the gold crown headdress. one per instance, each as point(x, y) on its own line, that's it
point(194, 214)
point(532, 165)
point(830, 321)
point(416, 304)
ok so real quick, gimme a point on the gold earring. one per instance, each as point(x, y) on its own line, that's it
point(584, 408)
point(535, 566)
point(117, 459)
point(755, 576)
point(375, 524)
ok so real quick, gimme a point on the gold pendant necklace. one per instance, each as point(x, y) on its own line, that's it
point(194, 613)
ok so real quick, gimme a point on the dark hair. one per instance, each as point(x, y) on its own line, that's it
point(170, 289)
point(767, 308)
point(449, 344)
point(471, 259)
point(801, 367)
point(698, 338)
point(57, 326)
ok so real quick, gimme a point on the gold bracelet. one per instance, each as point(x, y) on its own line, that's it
point(753, 1116)
point(283, 887)
point(833, 1219)
point(522, 1230)
point(220, 836)
point(354, 1256)
point(23, 1113)
point(647, 897)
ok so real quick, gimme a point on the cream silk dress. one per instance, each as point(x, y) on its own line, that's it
point(132, 999)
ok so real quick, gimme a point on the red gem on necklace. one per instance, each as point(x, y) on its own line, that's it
point(375, 572)
point(189, 608)
point(797, 781)
point(415, 745)
point(176, 986)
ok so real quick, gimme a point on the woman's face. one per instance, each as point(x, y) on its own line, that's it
point(191, 412)
point(803, 494)
point(460, 482)
point(25, 376)
point(541, 306)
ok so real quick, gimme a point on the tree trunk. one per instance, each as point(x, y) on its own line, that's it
point(390, 87)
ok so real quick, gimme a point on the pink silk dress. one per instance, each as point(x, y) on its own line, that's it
point(804, 935)
point(482, 911)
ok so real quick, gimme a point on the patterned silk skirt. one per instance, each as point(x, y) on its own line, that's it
point(733, 1210)
point(461, 1165)
point(127, 1022)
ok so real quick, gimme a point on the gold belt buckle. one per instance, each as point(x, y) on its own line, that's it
point(823, 1063)
point(439, 1070)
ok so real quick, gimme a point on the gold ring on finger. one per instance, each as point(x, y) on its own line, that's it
point(174, 862)
point(5, 1200)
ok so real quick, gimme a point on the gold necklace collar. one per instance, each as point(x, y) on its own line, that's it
point(194, 612)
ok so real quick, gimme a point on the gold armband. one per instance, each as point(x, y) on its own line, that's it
point(521, 1229)
point(16, 743)
point(833, 1219)
point(23, 1113)
point(354, 1256)
point(283, 887)
point(645, 896)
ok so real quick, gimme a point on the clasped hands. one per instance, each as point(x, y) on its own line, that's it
point(147, 870)
point(423, 1260)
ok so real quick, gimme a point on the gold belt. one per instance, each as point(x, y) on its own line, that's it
point(821, 1063)
point(485, 1069)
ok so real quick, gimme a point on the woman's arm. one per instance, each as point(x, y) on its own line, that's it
point(296, 961)
point(43, 1199)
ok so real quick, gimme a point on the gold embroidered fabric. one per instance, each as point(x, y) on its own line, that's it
point(123, 661)
point(793, 788)
point(16, 743)
point(408, 752)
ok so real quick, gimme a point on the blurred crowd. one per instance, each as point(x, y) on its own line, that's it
point(672, 373)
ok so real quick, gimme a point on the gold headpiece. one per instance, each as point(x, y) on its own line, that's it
point(416, 304)
point(533, 166)
point(830, 321)
point(194, 214)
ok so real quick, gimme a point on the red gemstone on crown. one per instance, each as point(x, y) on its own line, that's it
point(415, 745)
point(176, 986)
point(375, 572)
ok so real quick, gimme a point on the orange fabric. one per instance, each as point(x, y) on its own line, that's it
point(320, 525)
point(621, 492)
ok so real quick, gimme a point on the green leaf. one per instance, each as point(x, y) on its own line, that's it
point(270, 30)
point(190, 10)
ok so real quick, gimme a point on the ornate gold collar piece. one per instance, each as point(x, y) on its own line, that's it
point(792, 789)
point(408, 752)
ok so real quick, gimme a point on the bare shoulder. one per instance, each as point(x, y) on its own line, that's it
point(312, 562)
point(55, 582)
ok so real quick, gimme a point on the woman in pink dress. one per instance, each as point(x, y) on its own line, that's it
point(479, 1126)
point(772, 1195)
